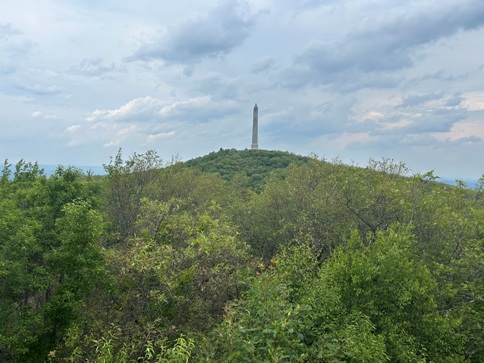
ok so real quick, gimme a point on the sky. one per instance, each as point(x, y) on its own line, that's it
point(344, 79)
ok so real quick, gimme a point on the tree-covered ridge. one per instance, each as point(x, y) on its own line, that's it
point(157, 263)
point(256, 165)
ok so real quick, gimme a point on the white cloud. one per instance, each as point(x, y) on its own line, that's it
point(186, 105)
point(473, 101)
point(138, 107)
point(40, 114)
point(120, 136)
point(73, 128)
point(150, 139)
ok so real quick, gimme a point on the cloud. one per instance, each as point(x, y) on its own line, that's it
point(423, 120)
point(454, 101)
point(356, 139)
point(439, 120)
point(120, 135)
point(198, 110)
point(420, 119)
point(225, 27)
point(72, 129)
point(417, 100)
point(220, 87)
point(299, 123)
point(144, 122)
point(474, 101)
point(180, 107)
point(15, 49)
point(343, 81)
point(313, 4)
point(468, 140)
point(137, 109)
point(150, 139)
point(263, 65)
point(383, 46)
point(7, 30)
point(39, 89)
point(40, 114)
point(107, 134)
point(158, 113)
point(93, 68)
point(334, 115)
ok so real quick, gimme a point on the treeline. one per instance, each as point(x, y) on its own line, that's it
point(319, 262)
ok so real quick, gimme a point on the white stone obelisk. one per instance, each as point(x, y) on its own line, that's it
point(255, 128)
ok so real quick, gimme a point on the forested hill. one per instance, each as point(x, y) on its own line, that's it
point(156, 263)
point(256, 165)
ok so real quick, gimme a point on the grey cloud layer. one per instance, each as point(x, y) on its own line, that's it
point(415, 100)
point(222, 29)
point(382, 46)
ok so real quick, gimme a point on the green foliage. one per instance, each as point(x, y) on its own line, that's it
point(288, 316)
point(48, 258)
point(396, 291)
point(173, 277)
point(253, 255)
point(255, 164)
point(367, 303)
point(110, 348)
point(127, 182)
point(307, 201)
point(142, 176)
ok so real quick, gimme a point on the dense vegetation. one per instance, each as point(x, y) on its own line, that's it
point(315, 262)
point(256, 165)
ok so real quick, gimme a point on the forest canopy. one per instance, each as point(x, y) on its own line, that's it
point(239, 256)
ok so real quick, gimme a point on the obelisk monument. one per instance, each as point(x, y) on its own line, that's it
point(255, 128)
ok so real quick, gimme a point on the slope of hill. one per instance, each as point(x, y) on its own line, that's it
point(255, 164)
point(327, 263)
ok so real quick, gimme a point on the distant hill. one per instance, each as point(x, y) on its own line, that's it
point(256, 165)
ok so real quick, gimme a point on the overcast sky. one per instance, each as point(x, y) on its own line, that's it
point(353, 79)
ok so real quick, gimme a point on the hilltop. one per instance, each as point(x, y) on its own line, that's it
point(256, 165)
